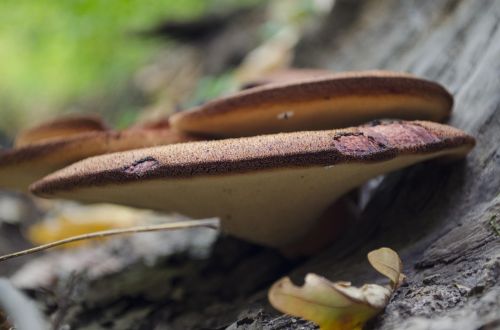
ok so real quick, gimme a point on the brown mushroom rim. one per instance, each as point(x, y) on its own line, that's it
point(288, 75)
point(163, 123)
point(371, 143)
point(61, 127)
point(342, 84)
point(91, 142)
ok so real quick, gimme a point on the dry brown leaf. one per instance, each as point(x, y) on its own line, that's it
point(338, 305)
point(387, 262)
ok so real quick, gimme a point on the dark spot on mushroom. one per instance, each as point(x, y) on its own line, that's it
point(338, 136)
point(285, 115)
point(142, 166)
point(376, 141)
point(357, 143)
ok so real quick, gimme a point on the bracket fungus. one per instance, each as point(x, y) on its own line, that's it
point(52, 145)
point(283, 76)
point(267, 189)
point(59, 128)
point(316, 103)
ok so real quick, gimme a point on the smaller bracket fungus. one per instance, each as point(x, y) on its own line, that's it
point(316, 103)
point(59, 128)
point(52, 145)
point(268, 189)
point(288, 75)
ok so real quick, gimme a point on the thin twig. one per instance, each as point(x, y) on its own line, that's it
point(210, 223)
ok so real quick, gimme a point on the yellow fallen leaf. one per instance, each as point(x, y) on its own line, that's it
point(387, 262)
point(77, 220)
point(336, 305)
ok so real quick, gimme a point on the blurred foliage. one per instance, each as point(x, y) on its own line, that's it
point(210, 87)
point(285, 22)
point(55, 52)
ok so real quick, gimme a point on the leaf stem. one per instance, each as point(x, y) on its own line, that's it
point(209, 223)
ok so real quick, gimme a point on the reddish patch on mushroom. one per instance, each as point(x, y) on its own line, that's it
point(142, 166)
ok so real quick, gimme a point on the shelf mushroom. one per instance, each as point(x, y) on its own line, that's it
point(61, 127)
point(52, 145)
point(287, 75)
point(267, 189)
point(315, 103)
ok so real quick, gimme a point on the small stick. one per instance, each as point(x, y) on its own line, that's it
point(210, 223)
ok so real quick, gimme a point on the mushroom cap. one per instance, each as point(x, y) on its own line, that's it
point(267, 189)
point(284, 76)
point(41, 151)
point(325, 102)
point(61, 127)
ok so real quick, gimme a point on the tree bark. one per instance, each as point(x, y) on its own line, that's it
point(443, 219)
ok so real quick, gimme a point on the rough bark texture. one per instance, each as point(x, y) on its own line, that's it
point(444, 219)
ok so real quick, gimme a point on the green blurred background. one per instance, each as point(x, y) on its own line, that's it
point(100, 56)
point(54, 54)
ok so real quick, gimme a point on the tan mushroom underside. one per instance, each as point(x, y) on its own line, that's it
point(336, 101)
point(273, 206)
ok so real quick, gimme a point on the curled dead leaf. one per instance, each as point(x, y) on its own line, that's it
point(331, 305)
point(387, 262)
point(338, 305)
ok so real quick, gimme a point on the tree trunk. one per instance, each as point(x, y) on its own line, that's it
point(443, 219)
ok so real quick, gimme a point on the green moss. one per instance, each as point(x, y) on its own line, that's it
point(495, 225)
